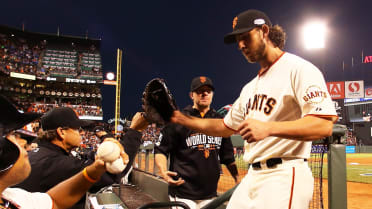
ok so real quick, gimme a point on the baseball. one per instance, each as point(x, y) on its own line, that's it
point(115, 167)
point(108, 151)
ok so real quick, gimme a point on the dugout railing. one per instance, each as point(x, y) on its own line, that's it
point(331, 196)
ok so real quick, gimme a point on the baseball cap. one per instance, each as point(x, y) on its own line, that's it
point(11, 119)
point(200, 81)
point(62, 117)
point(245, 22)
point(27, 135)
point(9, 154)
point(98, 129)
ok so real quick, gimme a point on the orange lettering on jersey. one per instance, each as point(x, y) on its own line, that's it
point(314, 94)
point(248, 107)
point(271, 102)
point(206, 153)
point(255, 102)
point(260, 101)
point(263, 97)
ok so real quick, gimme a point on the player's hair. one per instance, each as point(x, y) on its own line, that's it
point(48, 135)
point(277, 36)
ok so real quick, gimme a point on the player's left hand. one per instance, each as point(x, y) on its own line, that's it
point(139, 122)
point(253, 130)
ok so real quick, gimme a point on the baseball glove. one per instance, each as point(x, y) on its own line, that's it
point(157, 102)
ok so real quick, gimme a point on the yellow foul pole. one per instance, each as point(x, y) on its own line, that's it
point(118, 87)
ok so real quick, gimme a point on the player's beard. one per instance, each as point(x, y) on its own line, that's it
point(257, 55)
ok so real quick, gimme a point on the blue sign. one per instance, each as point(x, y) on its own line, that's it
point(318, 148)
point(350, 149)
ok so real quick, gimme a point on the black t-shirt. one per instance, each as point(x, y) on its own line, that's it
point(196, 157)
point(50, 165)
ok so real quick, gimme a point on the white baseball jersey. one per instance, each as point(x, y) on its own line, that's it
point(290, 89)
point(27, 200)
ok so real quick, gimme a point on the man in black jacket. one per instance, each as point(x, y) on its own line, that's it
point(52, 162)
point(195, 158)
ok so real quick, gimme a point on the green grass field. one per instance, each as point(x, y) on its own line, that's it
point(357, 164)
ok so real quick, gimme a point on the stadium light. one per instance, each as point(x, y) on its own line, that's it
point(314, 34)
point(110, 76)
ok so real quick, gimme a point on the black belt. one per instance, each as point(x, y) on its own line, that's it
point(270, 163)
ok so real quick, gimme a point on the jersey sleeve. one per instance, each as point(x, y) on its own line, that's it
point(25, 199)
point(311, 92)
point(235, 115)
point(164, 144)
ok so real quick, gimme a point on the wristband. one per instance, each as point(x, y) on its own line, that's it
point(87, 177)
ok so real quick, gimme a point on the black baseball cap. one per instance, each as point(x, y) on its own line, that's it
point(27, 135)
point(98, 129)
point(11, 119)
point(245, 22)
point(62, 117)
point(200, 81)
point(9, 154)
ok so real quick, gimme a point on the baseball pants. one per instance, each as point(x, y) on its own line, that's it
point(286, 186)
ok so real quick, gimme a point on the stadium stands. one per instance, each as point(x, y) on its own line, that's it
point(49, 57)
point(43, 71)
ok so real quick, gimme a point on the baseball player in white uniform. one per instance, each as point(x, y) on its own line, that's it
point(278, 114)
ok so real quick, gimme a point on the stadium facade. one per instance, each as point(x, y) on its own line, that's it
point(41, 71)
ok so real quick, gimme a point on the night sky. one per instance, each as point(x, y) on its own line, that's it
point(179, 40)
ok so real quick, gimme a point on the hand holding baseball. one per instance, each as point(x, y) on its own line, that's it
point(113, 155)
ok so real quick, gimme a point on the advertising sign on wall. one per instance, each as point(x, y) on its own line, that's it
point(336, 89)
point(354, 89)
point(368, 92)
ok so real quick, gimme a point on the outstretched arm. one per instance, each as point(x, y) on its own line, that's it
point(68, 192)
point(208, 126)
point(305, 129)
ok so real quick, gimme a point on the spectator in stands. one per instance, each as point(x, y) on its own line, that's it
point(60, 135)
point(15, 167)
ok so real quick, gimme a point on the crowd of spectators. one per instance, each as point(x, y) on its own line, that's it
point(17, 55)
point(25, 56)
point(81, 110)
point(89, 141)
point(151, 134)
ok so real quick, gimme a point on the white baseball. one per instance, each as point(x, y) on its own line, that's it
point(115, 167)
point(108, 151)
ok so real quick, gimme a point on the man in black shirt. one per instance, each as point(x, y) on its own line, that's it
point(15, 167)
point(195, 158)
point(52, 162)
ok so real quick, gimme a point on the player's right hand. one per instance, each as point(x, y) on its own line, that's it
point(169, 178)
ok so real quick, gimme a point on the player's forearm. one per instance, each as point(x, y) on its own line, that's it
point(70, 191)
point(161, 163)
point(306, 129)
point(208, 126)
